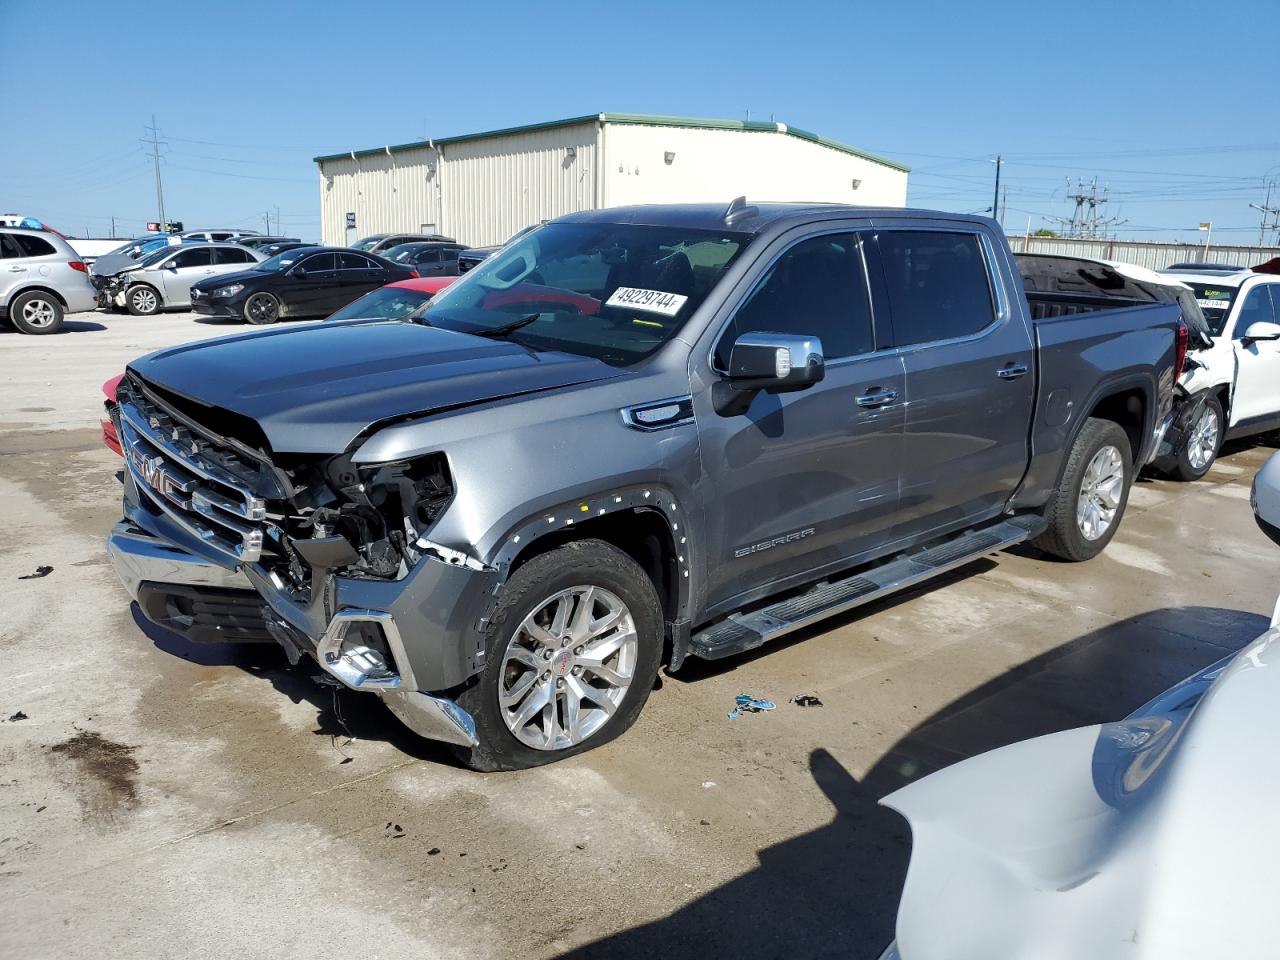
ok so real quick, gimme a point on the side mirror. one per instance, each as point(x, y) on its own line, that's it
point(772, 362)
point(1262, 331)
point(171, 265)
point(775, 362)
point(298, 273)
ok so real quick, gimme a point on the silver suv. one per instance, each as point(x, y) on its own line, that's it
point(164, 278)
point(41, 278)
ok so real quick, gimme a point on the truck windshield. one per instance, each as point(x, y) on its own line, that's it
point(613, 291)
point(1215, 302)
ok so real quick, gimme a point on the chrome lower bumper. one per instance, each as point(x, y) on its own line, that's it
point(139, 557)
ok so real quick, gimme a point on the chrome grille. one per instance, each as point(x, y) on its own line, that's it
point(191, 483)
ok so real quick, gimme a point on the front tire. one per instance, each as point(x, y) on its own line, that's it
point(142, 301)
point(573, 649)
point(1086, 510)
point(261, 308)
point(36, 312)
point(1204, 437)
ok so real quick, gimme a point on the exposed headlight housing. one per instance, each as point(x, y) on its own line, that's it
point(230, 290)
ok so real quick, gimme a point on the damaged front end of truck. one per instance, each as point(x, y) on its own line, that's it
point(330, 558)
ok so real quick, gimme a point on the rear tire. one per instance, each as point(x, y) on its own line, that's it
point(142, 300)
point(1087, 507)
point(36, 312)
point(1204, 439)
point(519, 661)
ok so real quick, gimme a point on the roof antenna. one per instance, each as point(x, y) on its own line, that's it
point(738, 210)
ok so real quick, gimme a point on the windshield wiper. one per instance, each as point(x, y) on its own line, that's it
point(502, 331)
point(416, 314)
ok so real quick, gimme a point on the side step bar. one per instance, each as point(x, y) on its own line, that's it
point(740, 632)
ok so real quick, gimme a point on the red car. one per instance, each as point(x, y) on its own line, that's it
point(393, 301)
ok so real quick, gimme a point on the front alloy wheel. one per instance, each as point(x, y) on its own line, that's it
point(1100, 493)
point(571, 650)
point(568, 667)
point(262, 308)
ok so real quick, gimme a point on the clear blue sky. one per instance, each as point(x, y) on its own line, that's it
point(1173, 105)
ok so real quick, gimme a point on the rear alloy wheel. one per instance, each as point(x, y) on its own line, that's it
point(1204, 436)
point(142, 301)
point(574, 646)
point(1085, 511)
point(262, 308)
point(36, 312)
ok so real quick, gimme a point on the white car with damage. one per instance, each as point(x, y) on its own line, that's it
point(1153, 838)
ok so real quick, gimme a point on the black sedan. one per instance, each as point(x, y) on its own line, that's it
point(306, 282)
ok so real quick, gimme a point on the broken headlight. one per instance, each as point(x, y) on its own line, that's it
point(371, 526)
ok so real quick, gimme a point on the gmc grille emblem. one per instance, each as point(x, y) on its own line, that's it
point(160, 479)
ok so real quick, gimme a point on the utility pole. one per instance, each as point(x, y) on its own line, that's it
point(113, 227)
point(268, 218)
point(156, 143)
point(1004, 204)
point(995, 200)
point(1266, 209)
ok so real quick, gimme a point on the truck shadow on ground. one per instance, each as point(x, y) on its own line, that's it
point(833, 892)
point(340, 713)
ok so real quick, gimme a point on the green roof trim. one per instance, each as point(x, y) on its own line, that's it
point(637, 119)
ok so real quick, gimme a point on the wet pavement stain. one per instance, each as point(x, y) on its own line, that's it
point(107, 774)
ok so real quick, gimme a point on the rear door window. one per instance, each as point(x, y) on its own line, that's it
point(197, 257)
point(353, 261)
point(319, 263)
point(232, 255)
point(937, 284)
point(33, 246)
point(9, 249)
point(816, 288)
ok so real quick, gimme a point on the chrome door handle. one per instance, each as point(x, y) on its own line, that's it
point(17, 269)
point(1012, 371)
point(877, 398)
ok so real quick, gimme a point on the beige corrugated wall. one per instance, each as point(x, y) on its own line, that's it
point(386, 192)
point(496, 186)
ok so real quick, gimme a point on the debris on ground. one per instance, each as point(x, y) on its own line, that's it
point(433, 851)
point(41, 571)
point(806, 700)
point(15, 717)
point(746, 703)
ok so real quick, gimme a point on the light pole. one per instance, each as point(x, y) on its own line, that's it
point(1207, 226)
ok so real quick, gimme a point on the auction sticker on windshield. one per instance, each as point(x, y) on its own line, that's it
point(654, 301)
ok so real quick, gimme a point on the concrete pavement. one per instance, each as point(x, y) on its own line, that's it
point(165, 799)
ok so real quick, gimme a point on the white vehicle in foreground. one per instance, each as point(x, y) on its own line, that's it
point(1154, 837)
point(1233, 389)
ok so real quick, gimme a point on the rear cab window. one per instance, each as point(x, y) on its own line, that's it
point(938, 285)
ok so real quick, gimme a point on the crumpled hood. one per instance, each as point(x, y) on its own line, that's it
point(314, 389)
point(112, 264)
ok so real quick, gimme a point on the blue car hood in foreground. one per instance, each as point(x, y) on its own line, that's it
point(314, 389)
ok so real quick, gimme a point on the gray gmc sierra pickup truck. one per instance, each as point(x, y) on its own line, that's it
point(632, 436)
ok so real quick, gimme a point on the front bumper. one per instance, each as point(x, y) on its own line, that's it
point(215, 308)
point(429, 620)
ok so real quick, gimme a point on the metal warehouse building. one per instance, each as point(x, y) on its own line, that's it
point(482, 187)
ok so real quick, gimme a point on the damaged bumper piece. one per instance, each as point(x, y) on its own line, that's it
point(362, 645)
